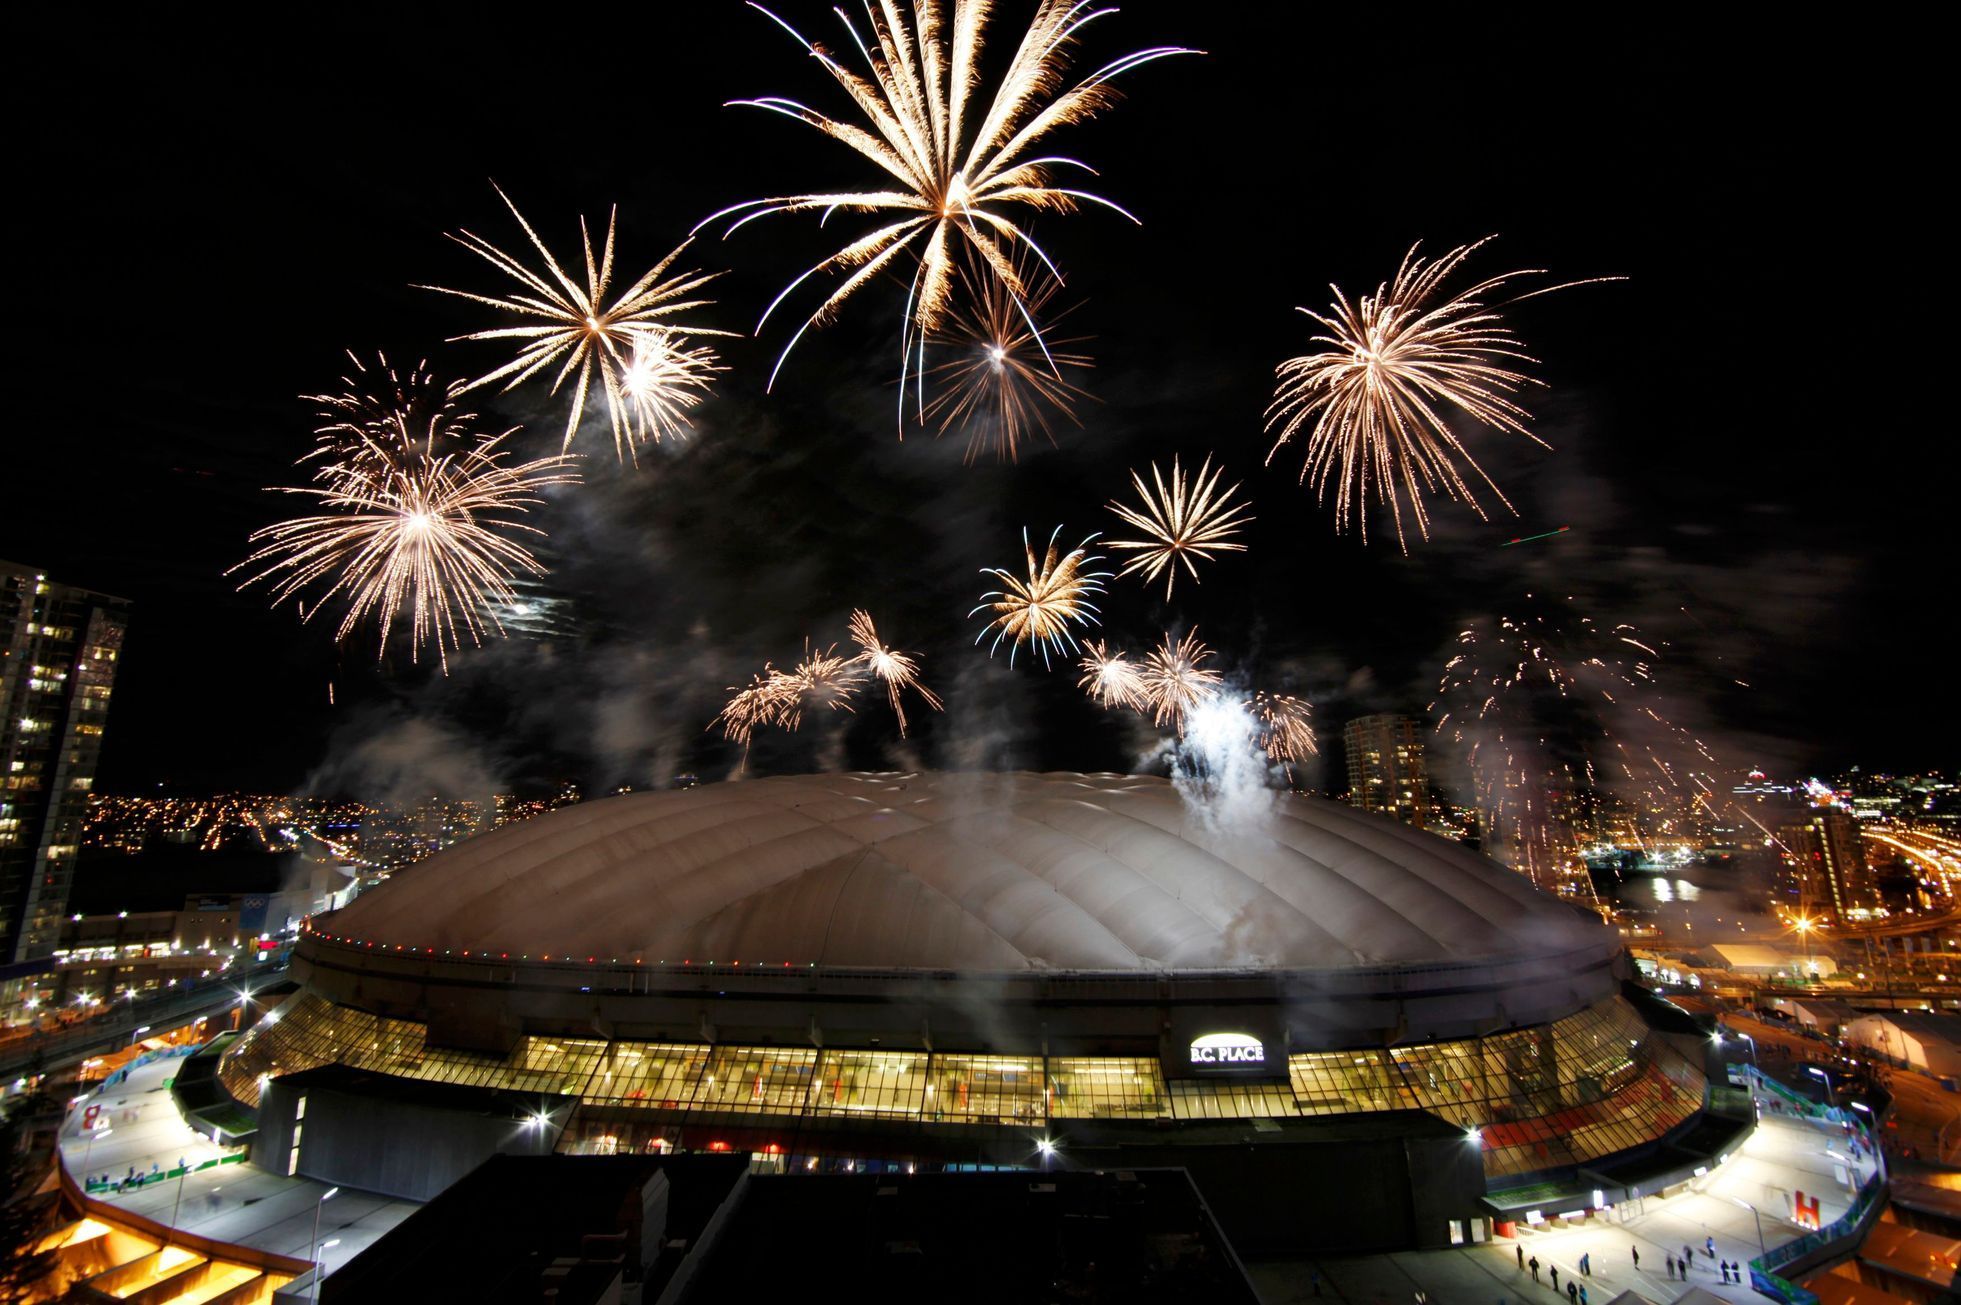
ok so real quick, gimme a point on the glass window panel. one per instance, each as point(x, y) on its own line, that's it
point(1106, 1087)
point(883, 1083)
point(763, 1080)
point(1203, 1099)
point(656, 1075)
point(997, 1089)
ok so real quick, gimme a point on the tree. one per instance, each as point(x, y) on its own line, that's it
point(25, 1216)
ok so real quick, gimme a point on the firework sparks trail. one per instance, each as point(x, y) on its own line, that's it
point(384, 409)
point(1176, 679)
point(1110, 677)
point(575, 327)
point(955, 167)
point(407, 532)
point(1043, 608)
point(1187, 522)
point(1375, 402)
point(765, 700)
point(1286, 727)
point(1005, 374)
point(1560, 731)
point(894, 669)
point(662, 383)
point(822, 679)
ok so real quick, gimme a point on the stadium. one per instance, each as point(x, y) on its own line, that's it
point(1346, 1029)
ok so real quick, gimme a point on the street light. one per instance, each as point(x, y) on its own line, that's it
point(313, 1250)
point(1761, 1248)
point(135, 1034)
point(1803, 927)
point(1831, 1097)
point(320, 1266)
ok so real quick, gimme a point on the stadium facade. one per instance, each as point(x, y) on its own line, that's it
point(1350, 1031)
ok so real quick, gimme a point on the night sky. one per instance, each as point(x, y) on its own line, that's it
point(214, 211)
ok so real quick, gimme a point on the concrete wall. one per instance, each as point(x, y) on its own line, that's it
point(397, 1148)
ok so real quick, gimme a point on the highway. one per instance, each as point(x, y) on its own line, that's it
point(115, 1028)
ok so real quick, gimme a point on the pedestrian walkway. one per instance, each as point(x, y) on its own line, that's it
point(236, 1203)
point(1783, 1157)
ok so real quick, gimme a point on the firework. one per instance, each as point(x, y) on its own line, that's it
point(1187, 521)
point(765, 700)
point(1558, 723)
point(383, 409)
point(1286, 727)
point(1043, 608)
point(407, 532)
point(1175, 678)
point(1005, 374)
point(1110, 677)
point(665, 378)
point(822, 679)
point(574, 328)
point(1374, 403)
point(950, 180)
point(894, 669)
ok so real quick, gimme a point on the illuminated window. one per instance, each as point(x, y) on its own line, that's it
point(1002, 1089)
point(1106, 1087)
point(878, 1083)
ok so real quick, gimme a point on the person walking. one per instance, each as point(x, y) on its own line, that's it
point(1709, 1246)
point(1688, 1258)
point(1583, 1296)
point(1572, 1292)
point(1586, 1264)
point(1671, 1265)
point(1635, 1251)
point(1553, 1269)
point(1521, 1255)
point(1533, 1264)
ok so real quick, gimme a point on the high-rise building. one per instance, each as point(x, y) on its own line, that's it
point(1386, 769)
point(1825, 870)
point(58, 650)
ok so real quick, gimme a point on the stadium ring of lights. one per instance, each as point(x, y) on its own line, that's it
point(943, 968)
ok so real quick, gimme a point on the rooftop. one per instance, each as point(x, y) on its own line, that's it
point(972, 872)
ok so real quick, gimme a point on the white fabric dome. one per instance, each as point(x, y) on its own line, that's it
point(966, 871)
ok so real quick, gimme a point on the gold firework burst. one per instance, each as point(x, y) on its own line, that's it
point(1175, 678)
point(894, 669)
point(1187, 521)
point(575, 327)
point(663, 381)
point(1110, 677)
point(1286, 726)
point(1043, 608)
point(952, 176)
point(1375, 402)
point(822, 679)
point(384, 408)
point(409, 532)
point(763, 701)
point(1005, 374)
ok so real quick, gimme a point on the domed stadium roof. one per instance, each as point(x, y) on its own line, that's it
point(966, 871)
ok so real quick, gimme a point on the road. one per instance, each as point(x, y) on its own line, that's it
point(47, 1053)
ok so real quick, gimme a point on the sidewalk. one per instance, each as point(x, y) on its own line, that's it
point(235, 1203)
point(1782, 1157)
